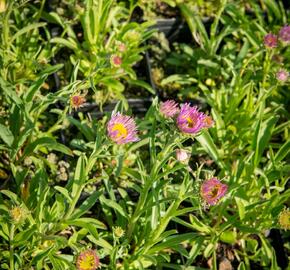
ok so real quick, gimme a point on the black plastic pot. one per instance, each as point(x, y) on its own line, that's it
point(278, 245)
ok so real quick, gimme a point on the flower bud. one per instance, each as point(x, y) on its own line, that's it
point(182, 155)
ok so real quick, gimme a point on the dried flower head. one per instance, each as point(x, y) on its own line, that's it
point(169, 108)
point(284, 33)
point(284, 219)
point(18, 214)
point(190, 120)
point(213, 190)
point(271, 40)
point(277, 58)
point(88, 260)
point(118, 232)
point(207, 121)
point(122, 129)
point(116, 61)
point(77, 101)
point(282, 75)
point(182, 155)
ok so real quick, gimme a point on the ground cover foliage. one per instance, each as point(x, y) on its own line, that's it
point(200, 180)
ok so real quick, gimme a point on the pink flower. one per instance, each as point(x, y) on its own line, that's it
point(88, 260)
point(190, 120)
point(116, 61)
point(282, 75)
point(284, 33)
point(182, 155)
point(169, 108)
point(122, 129)
point(271, 41)
point(213, 190)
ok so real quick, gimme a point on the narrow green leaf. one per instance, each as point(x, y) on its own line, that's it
point(26, 29)
point(6, 135)
point(46, 142)
point(86, 205)
point(114, 205)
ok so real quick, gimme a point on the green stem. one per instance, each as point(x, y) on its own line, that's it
point(74, 202)
point(11, 237)
point(150, 180)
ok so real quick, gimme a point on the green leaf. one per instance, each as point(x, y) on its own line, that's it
point(282, 152)
point(262, 137)
point(80, 175)
point(98, 224)
point(26, 29)
point(198, 225)
point(86, 205)
point(143, 85)
point(84, 224)
point(6, 135)
point(196, 26)
point(172, 241)
point(22, 237)
point(83, 128)
point(178, 78)
point(207, 143)
point(69, 43)
point(228, 237)
point(46, 142)
point(114, 205)
point(64, 192)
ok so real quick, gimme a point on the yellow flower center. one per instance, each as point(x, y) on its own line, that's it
point(190, 122)
point(87, 263)
point(122, 131)
point(214, 191)
point(284, 219)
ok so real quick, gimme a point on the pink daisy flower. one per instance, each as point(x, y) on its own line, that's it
point(271, 41)
point(169, 108)
point(282, 75)
point(190, 120)
point(284, 33)
point(122, 129)
point(88, 260)
point(213, 190)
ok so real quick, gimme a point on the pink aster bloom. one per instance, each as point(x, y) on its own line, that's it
point(190, 120)
point(282, 75)
point(271, 41)
point(213, 190)
point(88, 260)
point(116, 61)
point(284, 33)
point(122, 129)
point(169, 108)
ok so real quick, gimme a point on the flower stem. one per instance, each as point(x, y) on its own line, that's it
point(11, 237)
